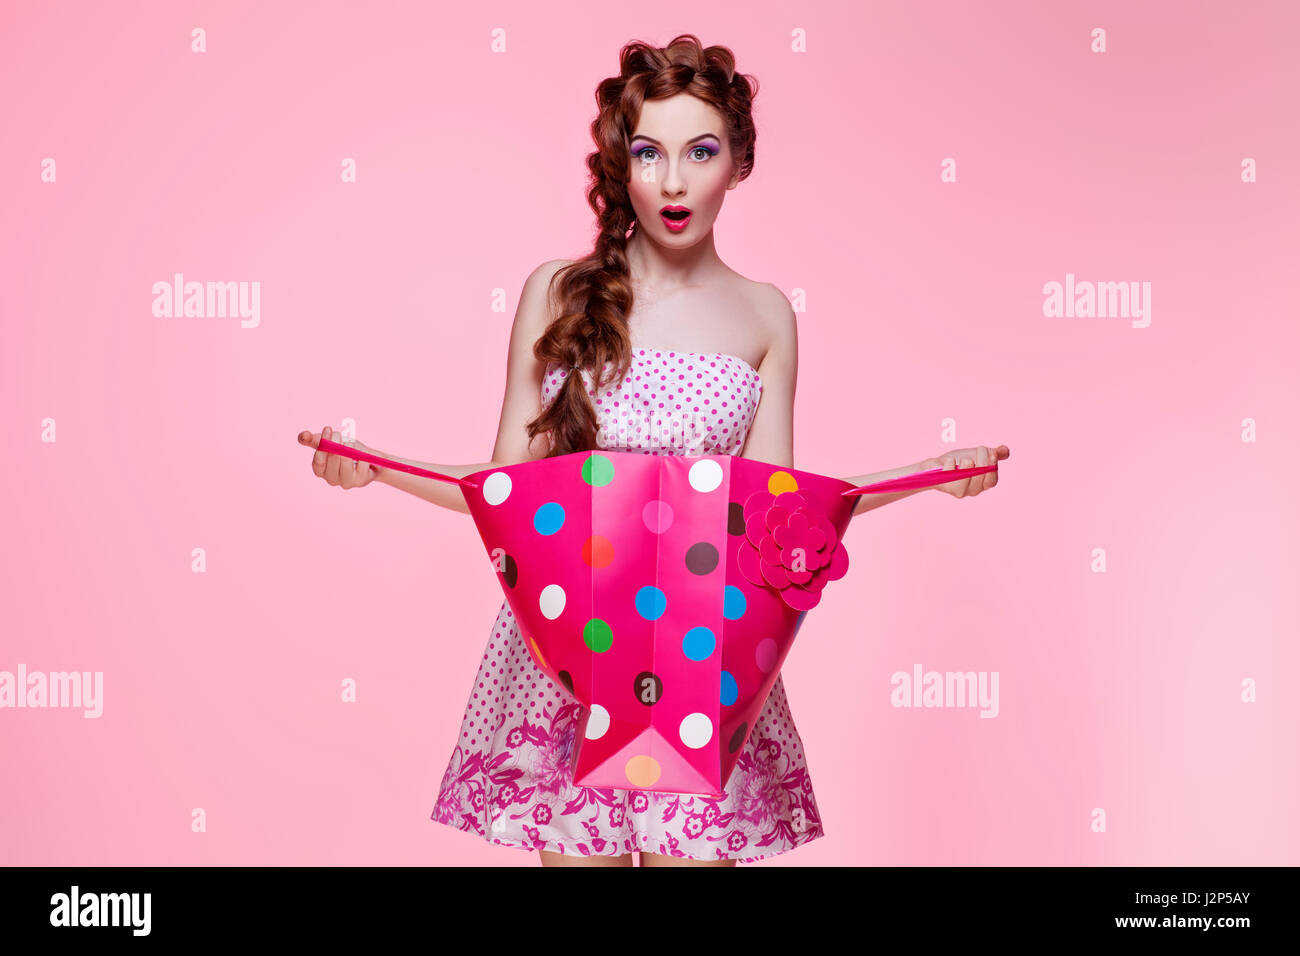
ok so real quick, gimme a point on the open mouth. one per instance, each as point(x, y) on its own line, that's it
point(675, 218)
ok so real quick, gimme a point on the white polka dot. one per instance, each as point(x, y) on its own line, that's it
point(597, 723)
point(670, 403)
point(551, 601)
point(496, 488)
point(696, 730)
point(706, 475)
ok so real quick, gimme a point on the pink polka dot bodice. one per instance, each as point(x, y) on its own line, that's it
point(672, 403)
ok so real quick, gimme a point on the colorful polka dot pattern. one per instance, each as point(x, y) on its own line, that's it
point(509, 776)
point(625, 581)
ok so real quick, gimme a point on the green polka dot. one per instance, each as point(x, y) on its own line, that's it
point(597, 471)
point(597, 635)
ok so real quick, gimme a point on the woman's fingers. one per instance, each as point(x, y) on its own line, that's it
point(321, 459)
point(976, 484)
point(318, 459)
point(306, 437)
point(338, 470)
point(332, 461)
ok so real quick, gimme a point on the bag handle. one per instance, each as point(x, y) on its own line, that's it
point(348, 451)
point(921, 479)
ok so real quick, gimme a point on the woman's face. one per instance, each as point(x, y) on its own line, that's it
point(680, 158)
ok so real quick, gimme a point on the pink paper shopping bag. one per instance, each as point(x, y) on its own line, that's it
point(663, 591)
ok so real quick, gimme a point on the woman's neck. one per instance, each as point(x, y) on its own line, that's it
point(667, 269)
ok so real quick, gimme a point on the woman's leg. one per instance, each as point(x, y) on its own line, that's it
point(659, 859)
point(550, 858)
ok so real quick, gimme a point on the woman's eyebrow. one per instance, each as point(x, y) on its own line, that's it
point(651, 139)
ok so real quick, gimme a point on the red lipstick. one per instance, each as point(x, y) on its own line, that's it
point(675, 217)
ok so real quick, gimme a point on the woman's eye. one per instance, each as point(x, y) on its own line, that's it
point(708, 153)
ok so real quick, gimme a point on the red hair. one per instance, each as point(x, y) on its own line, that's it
point(594, 293)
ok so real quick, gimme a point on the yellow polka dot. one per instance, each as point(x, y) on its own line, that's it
point(537, 653)
point(642, 771)
point(780, 481)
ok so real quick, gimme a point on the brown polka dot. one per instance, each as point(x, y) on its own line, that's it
point(735, 518)
point(701, 558)
point(712, 398)
point(737, 738)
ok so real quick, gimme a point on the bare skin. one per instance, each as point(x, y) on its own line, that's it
point(686, 300)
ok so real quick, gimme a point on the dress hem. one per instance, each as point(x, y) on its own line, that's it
point(812, 834)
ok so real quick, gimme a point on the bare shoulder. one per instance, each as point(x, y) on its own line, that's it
point(525, 372)
point(776, 316)
point(552, 266)
point(537, 309)
point(540, 280)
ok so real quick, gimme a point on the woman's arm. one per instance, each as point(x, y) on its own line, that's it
point(431, 489)
point(771, 436)
point(869, 502)
point(521, 404)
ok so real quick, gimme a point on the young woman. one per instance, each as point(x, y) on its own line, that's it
point(650, 343)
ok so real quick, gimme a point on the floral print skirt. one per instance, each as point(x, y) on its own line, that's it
point(510, 777)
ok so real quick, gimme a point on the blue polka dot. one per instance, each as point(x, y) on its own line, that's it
point(651, 602)
point(549, 518)
point(698, 644)
point(729, 689)
point(733, 602)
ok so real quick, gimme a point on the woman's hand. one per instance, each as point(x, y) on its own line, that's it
point(339, 470)
point(978, 456)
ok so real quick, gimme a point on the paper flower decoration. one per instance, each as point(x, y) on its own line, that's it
point(791, 547)
point(624, 576)
point(663, 592)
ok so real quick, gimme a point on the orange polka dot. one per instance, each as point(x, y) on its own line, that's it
point(642, 771)
point(780, 481)
point(708, 400)
point(537, 652)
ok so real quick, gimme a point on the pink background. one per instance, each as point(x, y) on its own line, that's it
point(918, 301)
